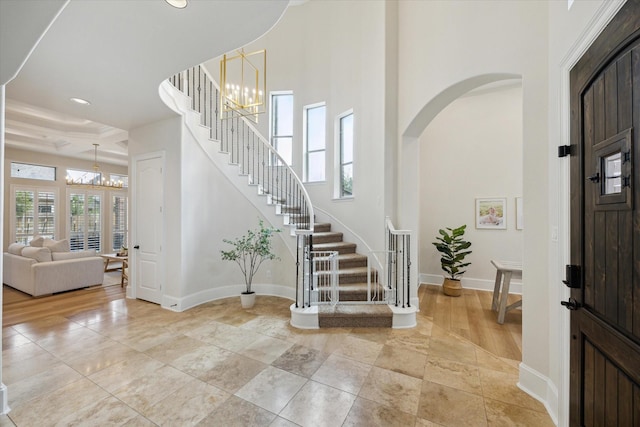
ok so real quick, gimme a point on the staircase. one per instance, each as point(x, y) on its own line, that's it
point(353, 286)
point(251, 156)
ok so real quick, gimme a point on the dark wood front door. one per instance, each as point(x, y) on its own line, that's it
point(605, 227)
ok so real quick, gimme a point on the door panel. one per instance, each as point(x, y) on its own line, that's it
point(149, 228)
point(605, 227)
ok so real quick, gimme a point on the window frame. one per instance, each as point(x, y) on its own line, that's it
point(272, 117)
point(87, 192)
point(14, 188)
point(339, 154)
point(305, 137)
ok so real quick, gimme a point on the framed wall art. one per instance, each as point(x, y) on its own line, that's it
point(491, 213)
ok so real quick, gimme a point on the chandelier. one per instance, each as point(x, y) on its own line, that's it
point(96, 178)
point(243, 84)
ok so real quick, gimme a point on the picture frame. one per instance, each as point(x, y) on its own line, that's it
point(519, 214)
point(491, 213)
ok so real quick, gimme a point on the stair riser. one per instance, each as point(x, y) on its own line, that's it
point(355, 322)
point(348, 263)
point(327, 238)
point(347, 278)
point(341, 249)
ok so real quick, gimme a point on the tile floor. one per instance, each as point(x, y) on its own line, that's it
point(135, 364)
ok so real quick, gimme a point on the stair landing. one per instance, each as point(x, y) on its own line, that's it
point(355, 316)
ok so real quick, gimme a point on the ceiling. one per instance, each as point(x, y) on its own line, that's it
point(114, 54)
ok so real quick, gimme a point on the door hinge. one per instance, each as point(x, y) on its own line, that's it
point(572, 276)
point(564, 150)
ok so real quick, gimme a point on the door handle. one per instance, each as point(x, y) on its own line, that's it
point(572, 304)
point(595, 178)
point(136, 247)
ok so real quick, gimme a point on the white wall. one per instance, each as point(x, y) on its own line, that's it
point(472, 149)
point(444, 43)
point(334, 52)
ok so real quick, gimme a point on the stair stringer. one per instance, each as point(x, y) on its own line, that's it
point(180, 103)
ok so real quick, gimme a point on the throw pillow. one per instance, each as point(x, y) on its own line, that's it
point(39, 254)
point(57, 245)
point(37, 241)
point(16, 248)
point(59, 256)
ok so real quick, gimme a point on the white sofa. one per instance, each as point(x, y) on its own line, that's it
point(50, 268)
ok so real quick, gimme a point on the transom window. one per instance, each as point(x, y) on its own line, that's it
point(29, 171)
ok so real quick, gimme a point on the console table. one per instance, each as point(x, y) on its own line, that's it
point(108, 258)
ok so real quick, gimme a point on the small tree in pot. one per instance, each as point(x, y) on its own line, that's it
point(453, 249)
point(249, 252)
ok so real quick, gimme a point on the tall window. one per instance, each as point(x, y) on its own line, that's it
point(34, 214)
point(346, 154)
point(282, 124)
point(315, 142)
point(85, 220)
point(119, 225)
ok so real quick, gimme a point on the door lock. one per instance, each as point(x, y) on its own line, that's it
point(136, 247)
point(572, 304)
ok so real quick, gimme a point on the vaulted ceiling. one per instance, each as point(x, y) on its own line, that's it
point(114, 54)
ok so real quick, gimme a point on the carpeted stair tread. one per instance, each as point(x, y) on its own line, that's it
point(326, 237)
point(320, 227)
point(355, 315)
point(348, 261)
point(340, 247)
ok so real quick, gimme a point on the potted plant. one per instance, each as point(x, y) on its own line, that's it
point(249, 252)
point(453, 249)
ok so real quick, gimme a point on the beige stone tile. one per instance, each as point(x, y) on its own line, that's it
point(67, 399)
point(49, 326)
point(141, 335)
point(409, 340)
point(201, 360)
point(392, 389)
point(41, 384)
point(175, 348)
point(326, 342)
point(425, 423)
point(147, 390)
point(74, 343)
point(188, 405)
point(266, 349)
point(271, 389)
point(100, 315)
point(503, 414)
point(208, 331)
point(342, 373)
point(104, 412)
point(273, 327)
point(18, 370)
point(365, 413)
point(14, 340)
point(453, 374)
point(14, 355)
point(451, 407)
point(490, 361)
point(503, 387)
point(358, 349)
point(119, 374)
point(278, 422)
point(233, 372)
point(318, 405)
point(236, 317)
point(139, 421)
point(236, 412)
point(5, 421)
point(401, 360)
point(453, 348)
point(301, 360)
point(98, 360)
point(377, 335)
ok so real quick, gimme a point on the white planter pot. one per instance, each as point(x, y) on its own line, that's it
point(247, 300)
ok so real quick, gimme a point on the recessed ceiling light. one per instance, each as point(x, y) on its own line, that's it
point(80, 101)
point(180, 4)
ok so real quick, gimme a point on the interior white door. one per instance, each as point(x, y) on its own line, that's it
point(148, 231)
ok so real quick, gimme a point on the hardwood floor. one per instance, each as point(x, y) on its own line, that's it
point(18, 307)
point(471, 317)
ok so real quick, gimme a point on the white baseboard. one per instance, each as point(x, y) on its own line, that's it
point(193, 300)
point(470, 283)
point(541, 388)
point(4, 400)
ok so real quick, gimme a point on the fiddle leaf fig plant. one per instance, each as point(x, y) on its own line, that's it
point(250, 251)
point(454, 249)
